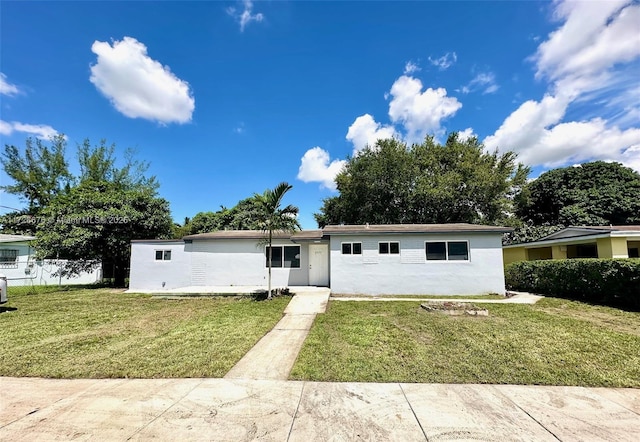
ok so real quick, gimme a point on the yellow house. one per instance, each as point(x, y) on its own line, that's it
point(579, 242)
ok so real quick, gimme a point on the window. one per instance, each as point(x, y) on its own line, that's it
point(8, 258)
point(389, 248)
point(436, 251)
point(352, 248)
point(458, 251)
point(447, 251)
point(163, 255)
point(283, 256)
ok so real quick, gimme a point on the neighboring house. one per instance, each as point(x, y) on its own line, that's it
point(418, 259)
point(19, 265)
point(579, 242)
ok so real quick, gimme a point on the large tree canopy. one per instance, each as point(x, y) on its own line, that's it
point(424, 183)
point(596, 193)
point(246, 215)
point(38, 175)
point(90, 218)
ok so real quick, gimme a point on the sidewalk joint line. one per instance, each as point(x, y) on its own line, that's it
point(295, 413)
point(526, 412)
point(424, 433)
point(167, 409)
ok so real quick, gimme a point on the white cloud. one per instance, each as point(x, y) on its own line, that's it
point(41, 131)
point(137, 85)
point(593, 37)
point(410, 67)
point(315, 166)
point(444, 62)
point(535, 132)
point(591, 63)
point(7, 88)
point(464, 135)
point(365, 131)
point(485, 81)
point(420, 112)
point(245, 17)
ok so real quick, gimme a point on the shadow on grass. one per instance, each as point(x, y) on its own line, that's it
point(262, 295)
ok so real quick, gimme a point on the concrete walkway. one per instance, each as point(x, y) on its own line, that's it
point(519, 298)
point(274, 355)
point(243, 410)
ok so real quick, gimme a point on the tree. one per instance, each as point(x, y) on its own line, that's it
point(596, 193)
point(91, 218)
point(425, 183)
point(274, 219)
point(246, 215)
point(39, 175)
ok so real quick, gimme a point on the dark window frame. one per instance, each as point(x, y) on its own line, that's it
point(388, 247)
point(447, 251)
point(283, 257)
point(354, 248)
point(164, 255)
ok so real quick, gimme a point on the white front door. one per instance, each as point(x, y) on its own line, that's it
point(319, 265)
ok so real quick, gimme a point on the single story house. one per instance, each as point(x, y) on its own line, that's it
point(19, 265)
point(579, 242)
point(418, 259)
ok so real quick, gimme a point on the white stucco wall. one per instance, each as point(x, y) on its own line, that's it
point(233, 262)
point(242, 262)
point(410, 272)
point(27, 271)
point(148, 274)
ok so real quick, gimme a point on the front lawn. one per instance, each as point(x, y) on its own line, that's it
point(98, 333)
point(554, 342)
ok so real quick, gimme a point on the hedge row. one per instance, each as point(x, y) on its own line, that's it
point(613, 282)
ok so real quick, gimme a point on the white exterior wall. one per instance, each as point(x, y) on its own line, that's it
point(148, 274)
point(233, 262)
point(239, 262)
point(27, 271)
point(410, 272)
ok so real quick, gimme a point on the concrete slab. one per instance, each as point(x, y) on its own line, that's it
point(471, 412)
point(234, 410)
point(575, 413)
point(295, 322)
point(271, 358)
point(15, 405)
point(304, 303)
point(627, 397)
point(354, 411)
point(227, 409)
point(118, 408)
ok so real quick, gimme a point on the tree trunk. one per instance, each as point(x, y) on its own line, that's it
point(270, 258)
point(119, 274)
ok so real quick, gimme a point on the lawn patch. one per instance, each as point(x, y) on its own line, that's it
point(554, 342)
point(102, 333)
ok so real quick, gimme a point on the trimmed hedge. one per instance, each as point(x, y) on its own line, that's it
point(613, 282)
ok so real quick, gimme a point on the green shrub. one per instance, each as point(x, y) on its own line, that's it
point(602, 281)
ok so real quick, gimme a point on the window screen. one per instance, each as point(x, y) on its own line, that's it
point(458, 251)
point(436, 251)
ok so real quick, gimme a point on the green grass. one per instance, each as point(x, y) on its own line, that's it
point(488, 296)
point(104, 333)
point(554, 342)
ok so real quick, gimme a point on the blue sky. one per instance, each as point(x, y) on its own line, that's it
point(226, 99)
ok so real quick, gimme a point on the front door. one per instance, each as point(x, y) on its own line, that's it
point(319, 265)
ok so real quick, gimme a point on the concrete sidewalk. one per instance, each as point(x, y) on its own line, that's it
point(242, 410)
point(273, 356)
point(519, 298)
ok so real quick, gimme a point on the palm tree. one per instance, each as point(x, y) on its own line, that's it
point(274, 219)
